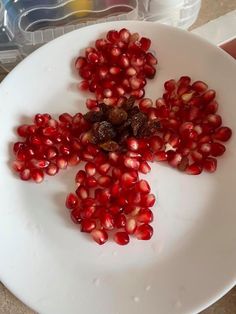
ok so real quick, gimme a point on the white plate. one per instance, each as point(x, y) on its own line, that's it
point(45, 261)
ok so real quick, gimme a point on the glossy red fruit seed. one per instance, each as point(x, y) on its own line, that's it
point(145, 215)
point(104, 181)
point(52, 169)
point(25, 174)
point(88, 225)
point(90, 168)
point(107, 221)
point(61, 162)
point(82, 192)
point(76, 215)
point(223, 134)
point(193, 169)
point(71, 201)
point(121, 238)
point(217, 149)
point(161, 156)
point(131, 163)
point(127, 180)
point(210, 164)
point(37, 175)
point(131, 226)
point(120, 220)
point(148, 200)
point(142, 186)
point(199, 86)
point(80, 177)
point(99, 236)
point(91, 182)
point(144, 232)
point(208, 96)
point(144, 167)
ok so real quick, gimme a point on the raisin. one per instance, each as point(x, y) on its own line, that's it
point(94, 116)
point(109, 146)
point(104, 131)
point(117, 116)
point(137, 121)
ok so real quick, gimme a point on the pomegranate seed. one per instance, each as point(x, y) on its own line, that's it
point(91, 182)
point(73, 160)
point(75, 215)
point(144, 167)
point(90, 169)
point(88, 212)
point(208, 96)
point(217, 149)
point(145, 103)
point(148, 200)
point(104, 195)
point(132, 144)
point(65, 117)
point(149, 71)
point(205, 148)
point(155, 143)
point(25, 174)
point(145, 43)
point(83, 85)
point(40, 164)
point(199, 86)
point(196, 156)
point(91, 103)
point(121, 238)
point(80, 177)
point(115, 189)
point(193, 169)
point(124, 35)
point(174, 159)
point(39, 119)
point(114, 70)
point(151, 59)
point(124, 61)
point(52, 169)
point(131, 163)
point(130, 71)
point(134, 198)
point(170, 85)
point(144, 232)
point(142, 186)
point(37, 175)
point(103, 168)
point(88, 225)
point(223, 134)
point(71, 201)
point(211, 107)
point(138, 94)
point(145, 215)
point(131, 226)
point(161, 156)
point(82, 192)
point(107, 221)
point(22, 130)
point(61, 162)
point(113, 157)
point(113, 36)
point(127, 180)
point(214, 120)
point(92, 58)
point(80, 62)
point(210, 164)
point(120, 220)
point(99, 236)
point(104, 181)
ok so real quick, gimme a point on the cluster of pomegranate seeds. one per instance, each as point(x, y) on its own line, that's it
point(191, 129)
point(49, 145)
point(117, 139)
point(118, 65)
point(110, 199)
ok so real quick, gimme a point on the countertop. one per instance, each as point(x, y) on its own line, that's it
point(9, 304)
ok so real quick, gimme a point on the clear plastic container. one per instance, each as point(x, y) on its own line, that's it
point(27, 24)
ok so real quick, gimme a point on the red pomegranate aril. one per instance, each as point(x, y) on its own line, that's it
point(132, 144)
point(210, 164)
point(161, 156)
point(144, 167)
point(49, 131)
point(91, 182)
point(223, 134)
point(217, 149)
point(90, 169)
point(92, 57)
point(214, 120)
point(131, 226)
point(104, 195)
point(39, 119)
point(25, 174)
point(80, 62)
point(104, 181)
point(115, 188)
point(40, 164)
point(211, 107)
point(149, 71)
point(103, 168)
point(124, 35)
point(130, 71)
point(18, 165)
point(21, 155)
point(113, 36)
point(22, 130)
point(142, 186)
point(83, 85)
point(197, 156)
point(99, 236)
point(114, 70)
point(134, 198)
point(110, 101)
point(131, 163)
point(124, 61)
point(127, 180)
point(121, 238)
point(208, 96)
point(73, 160)
point(205, 148)
point(199, 86)
point(148, 200)
point(37, 175)
point(91, 103)
point(88, 212)
point(151, 59)
point(82, 192)
point(61, 162)
point(71, 201)
point(75, 215)
point(170, 85)
point(194, 169)
point(174, 159)
point(88, 225)
point(18, 145)
point(144, 232)
point(145, 103)
point(120, 221)
point(66, 117)
point(52, 169)
point(107, 221)
point(145, 43)
point(204, 139)
point(80, 177)
point(107, 92)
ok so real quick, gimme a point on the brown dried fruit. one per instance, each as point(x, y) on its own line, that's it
point(104, 131)
point(129, 103)
point(117, 116)
point(109, 146)
point(94, 116)
point(137, 121)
